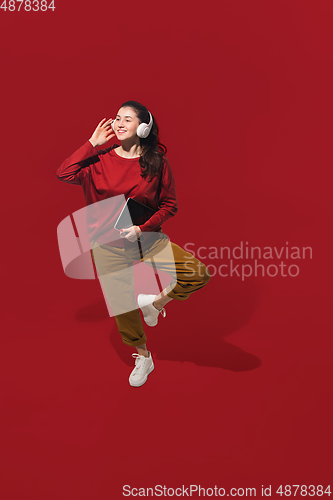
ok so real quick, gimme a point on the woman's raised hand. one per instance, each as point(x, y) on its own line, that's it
point(102, 133)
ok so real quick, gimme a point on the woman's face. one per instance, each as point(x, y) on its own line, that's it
point(126, 123)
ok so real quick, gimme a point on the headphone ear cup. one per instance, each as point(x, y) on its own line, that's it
point(140, 130)
point(144, 129)
point(112, 125)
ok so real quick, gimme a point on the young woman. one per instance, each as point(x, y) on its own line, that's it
point(138, 169)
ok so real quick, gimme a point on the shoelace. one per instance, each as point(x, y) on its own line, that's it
point(162, 311)
point(139, 361)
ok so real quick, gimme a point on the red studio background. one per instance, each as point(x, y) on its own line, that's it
point(241, 392)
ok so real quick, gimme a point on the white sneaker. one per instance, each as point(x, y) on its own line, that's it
point(150, 313)
point(143, 366)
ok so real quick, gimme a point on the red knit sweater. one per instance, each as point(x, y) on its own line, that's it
point(104, 174)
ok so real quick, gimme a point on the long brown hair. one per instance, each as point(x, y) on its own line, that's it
point(153, 151)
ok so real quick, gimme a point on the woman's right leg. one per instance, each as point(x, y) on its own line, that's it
point(115, 271)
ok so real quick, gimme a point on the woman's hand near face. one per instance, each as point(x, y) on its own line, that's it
point(102, 133)
point(131, 233)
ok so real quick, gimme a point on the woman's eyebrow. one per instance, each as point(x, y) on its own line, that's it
point(127, 116)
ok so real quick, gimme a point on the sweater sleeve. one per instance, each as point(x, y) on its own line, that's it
point(167, 202)
point(74, 168)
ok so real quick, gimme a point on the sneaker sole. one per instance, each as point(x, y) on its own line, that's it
point(133, 384)
point(145, 315)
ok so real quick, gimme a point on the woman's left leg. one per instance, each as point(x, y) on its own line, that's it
point(190, 274)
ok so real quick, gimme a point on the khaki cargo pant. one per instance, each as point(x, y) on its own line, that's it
point(115, 270)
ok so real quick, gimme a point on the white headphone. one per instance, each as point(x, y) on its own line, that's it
point(143, 129)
